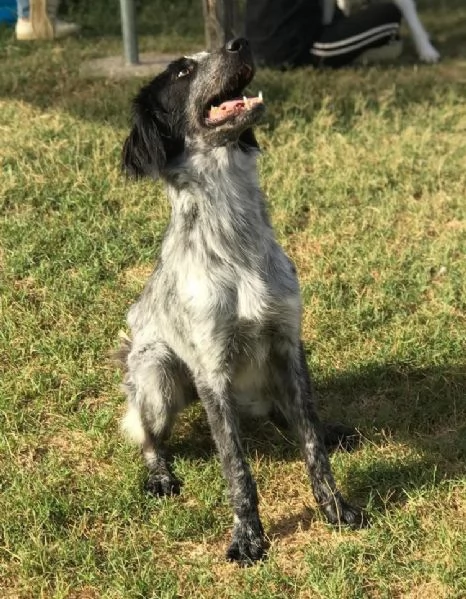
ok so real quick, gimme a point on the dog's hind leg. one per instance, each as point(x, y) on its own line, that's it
point(294, 396)
point(158, 387)
point(339, 436)
point(336, 436)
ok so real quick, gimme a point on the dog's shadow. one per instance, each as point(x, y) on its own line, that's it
point(192, 438)
point(420, 411)
point(290, 525)
point(383, 486)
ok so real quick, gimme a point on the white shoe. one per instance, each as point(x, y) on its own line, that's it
point(24, 30)
point(65, 28)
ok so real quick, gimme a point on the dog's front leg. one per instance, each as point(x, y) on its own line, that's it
point(296, 403)
point(248, 541)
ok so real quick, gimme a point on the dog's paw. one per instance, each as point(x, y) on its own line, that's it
point(248, 544)
point(427, 53)
point(339, 436)
point(341, 513)
point(162, 485)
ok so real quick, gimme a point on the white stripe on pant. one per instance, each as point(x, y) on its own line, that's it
point(347, 49)
point(355, 38)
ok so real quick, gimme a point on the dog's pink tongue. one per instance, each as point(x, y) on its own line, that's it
point(231, 105)
point(219, 112)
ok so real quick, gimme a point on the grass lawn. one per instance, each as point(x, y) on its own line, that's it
point(365, 171)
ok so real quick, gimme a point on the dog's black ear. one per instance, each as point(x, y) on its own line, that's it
point(143, 152)
point(248, 141)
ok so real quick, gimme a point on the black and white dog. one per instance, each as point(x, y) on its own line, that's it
point(425, 50)
point(220, 317)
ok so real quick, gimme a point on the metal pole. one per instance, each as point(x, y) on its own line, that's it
point(128, 27)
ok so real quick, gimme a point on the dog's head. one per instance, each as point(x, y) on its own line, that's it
point(197, 100)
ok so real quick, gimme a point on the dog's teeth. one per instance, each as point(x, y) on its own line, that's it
point(261, 99)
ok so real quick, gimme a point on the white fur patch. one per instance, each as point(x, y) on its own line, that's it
point(252, 297)
point(131, 425)
point(199, 56)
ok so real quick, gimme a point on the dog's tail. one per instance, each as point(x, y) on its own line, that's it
point(120, 355)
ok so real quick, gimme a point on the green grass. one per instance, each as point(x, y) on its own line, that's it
point(365, 171)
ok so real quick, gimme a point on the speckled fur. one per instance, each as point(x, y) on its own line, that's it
point(220, 317)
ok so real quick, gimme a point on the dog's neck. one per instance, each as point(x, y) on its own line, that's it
point(217, 204)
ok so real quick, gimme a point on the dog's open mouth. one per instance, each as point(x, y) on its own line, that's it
point(230, 109)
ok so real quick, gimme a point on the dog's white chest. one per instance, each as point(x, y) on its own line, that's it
point(232, 293)
point(253, 298)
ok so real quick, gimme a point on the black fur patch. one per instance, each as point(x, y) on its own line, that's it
point(159, 129)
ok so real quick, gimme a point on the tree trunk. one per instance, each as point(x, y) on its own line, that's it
point(221, 22)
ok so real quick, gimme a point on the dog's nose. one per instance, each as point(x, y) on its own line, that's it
point(237, 44)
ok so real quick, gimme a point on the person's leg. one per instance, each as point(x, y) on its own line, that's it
point(281, 32)
point(24, 29)
point(347, 38)
point(37, 20)
point(22, 9)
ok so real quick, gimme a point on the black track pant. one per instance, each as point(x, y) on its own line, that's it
point(347, 37)
point(289, 33)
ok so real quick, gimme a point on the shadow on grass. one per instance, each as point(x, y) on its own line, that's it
point(421, 409)
point(421, 406)
point(382, 485)
point(293, 523)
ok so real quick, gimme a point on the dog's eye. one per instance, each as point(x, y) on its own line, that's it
point(184, 72)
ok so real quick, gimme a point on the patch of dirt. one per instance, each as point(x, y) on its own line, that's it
point(84, 593)
point(137, 275)
point(73, 447)
point(428, 590)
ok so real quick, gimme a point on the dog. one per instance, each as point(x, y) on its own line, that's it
point(425, 50)
point(219, 318)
